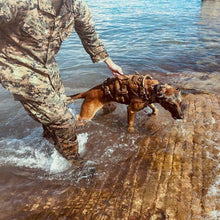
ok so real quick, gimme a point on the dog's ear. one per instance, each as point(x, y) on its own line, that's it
point(178, 95)
point(158, 88)
point(178, 89)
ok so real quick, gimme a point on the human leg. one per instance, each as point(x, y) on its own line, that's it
point(43, 97)
point(59, 124)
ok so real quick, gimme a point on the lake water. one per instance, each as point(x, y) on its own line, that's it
point(175, 41)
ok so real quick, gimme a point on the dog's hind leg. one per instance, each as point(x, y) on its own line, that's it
point(88, 110)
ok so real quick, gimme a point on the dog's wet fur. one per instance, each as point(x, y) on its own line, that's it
point(95, 99)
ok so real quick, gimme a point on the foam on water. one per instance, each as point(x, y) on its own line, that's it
point(213, 192)
point(82, 139)
point(33, 151)
point(58, 164)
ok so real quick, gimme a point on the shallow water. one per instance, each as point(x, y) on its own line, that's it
point(175, 41)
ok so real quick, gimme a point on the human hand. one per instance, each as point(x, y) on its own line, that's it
point(116, 70)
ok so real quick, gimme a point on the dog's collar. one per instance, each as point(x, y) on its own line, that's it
point(143, 91)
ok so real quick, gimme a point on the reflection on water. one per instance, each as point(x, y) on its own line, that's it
point(209, 34)
point(164, 36)
point(175, 41)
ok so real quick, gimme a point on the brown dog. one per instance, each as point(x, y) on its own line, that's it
point(137, 91)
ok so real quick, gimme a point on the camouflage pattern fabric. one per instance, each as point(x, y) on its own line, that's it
point(126, 87)
point(31, 34)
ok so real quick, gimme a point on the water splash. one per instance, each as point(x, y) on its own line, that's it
point(33, 151)
point(82, 140)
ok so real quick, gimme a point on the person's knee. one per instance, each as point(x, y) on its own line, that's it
point(63, 127)
point(60, 116)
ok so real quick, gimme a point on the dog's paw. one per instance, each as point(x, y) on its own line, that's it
point(80, 122)
point(131, 129)
point(155, 111)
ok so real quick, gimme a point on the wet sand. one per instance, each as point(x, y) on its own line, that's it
point(172, 173)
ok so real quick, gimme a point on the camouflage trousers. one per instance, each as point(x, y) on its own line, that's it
point(43, 97)
point(58, 124)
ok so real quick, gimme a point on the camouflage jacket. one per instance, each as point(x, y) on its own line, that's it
point(31, 33)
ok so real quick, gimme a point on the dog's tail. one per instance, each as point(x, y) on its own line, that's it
point(71, 98)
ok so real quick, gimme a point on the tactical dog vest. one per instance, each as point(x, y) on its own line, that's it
point(125, 88)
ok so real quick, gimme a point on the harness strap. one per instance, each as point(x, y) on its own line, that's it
point(106, 89)
point(121, 90)
point(143, 90)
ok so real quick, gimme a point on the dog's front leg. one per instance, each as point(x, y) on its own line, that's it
point(132, 109)
point(131, 114)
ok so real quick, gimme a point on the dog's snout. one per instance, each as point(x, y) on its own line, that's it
point(181, 113)
point(181, 116)
point(177, 114)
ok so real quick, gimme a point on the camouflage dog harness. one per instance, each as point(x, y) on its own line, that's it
point(125, 88)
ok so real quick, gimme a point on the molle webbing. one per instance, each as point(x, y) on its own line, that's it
point(125, 88)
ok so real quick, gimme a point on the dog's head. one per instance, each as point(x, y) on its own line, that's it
point(170, 99)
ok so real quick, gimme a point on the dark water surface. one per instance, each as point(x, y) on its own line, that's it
point(175, 41)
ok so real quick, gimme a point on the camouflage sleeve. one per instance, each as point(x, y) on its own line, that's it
point(11, 10)
point(7, 11)
point(85, 29)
